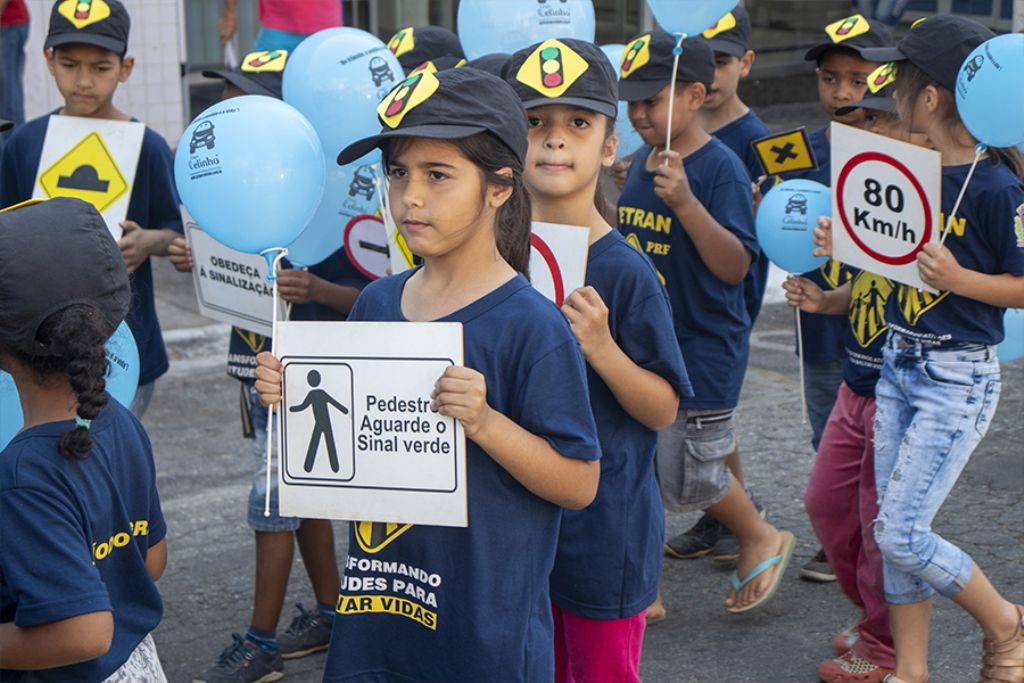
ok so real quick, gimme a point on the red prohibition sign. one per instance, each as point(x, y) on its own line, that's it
point(885, 159)
point(556, 273)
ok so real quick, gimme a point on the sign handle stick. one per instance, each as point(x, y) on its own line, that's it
point(677, 50)
point(800, 360)
point(276, 265)
point(978, 151)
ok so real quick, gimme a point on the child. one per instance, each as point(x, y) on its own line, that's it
point(690, 210)
point(726, 117)
point(325, 291)
point(483, 612)
point(83, 534)
point(87, 60)
point(609, 555)
point(842, 72)
point(414, 46)
point(940, 384)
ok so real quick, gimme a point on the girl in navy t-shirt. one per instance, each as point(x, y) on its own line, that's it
point(474, 602)
point(83, 533)
point(940, 383)
point(609, 555)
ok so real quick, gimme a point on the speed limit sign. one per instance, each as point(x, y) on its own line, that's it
point(885, 203)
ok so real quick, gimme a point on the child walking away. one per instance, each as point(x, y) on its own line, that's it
point(87, 59)
point(940, 384)
point(83, 534)
point(690, 210)
point(609, 555)
point(325, 291)
point(454, 144)
point(842, 71)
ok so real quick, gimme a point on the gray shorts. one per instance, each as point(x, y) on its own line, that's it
point(691, 459)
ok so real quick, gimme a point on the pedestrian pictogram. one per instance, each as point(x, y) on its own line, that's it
point(320, 403)
point(87, 172)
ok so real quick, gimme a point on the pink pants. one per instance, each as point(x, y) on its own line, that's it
point(842, 502)
point(594, 651)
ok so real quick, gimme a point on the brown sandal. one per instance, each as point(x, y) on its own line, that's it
point(1004, 662)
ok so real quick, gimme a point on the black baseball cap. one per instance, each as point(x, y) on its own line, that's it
point(495, 64)
point(566, 71)
point(103, 23)
point(647, 65)
point(260, 73)
point(938, 46)
point(731, 34)
point(448, 105)
point(64, 243)
point(414, 45)
point(5, 125)
point(883, 102)
point(440, 64)
point(855, 32)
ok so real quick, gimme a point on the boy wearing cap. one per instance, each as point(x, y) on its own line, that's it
point(87, 58)
point(690, 209)
point(325, 291)
point(414, 46)
point(842, 74)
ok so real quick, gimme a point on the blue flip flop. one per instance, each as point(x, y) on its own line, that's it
point(781, 561)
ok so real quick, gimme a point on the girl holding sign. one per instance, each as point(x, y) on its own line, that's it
point(609, 556)
point(435, 604)
point(939, 383)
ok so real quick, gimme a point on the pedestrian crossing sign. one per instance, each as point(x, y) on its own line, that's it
point(785, 152)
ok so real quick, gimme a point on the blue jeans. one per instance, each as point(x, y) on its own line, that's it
point(933, 407)
point(821, 387)
point(258, 492)
point(12, 44)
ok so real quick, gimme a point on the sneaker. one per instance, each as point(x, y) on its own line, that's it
point(728, 547)
point(843, 642)
point(818, 569)
point(308, 633)
point(697, 541)
point(244, 662)
point(850, 668)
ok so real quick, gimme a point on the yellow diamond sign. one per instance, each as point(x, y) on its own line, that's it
point(87, 172)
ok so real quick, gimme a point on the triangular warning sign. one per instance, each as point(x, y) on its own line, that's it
point(87, 172)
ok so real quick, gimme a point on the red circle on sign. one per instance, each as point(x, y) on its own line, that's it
point(556, 273)
point(351, 251)
point(885, 159)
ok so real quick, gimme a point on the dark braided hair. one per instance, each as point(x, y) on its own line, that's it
point(76, 336)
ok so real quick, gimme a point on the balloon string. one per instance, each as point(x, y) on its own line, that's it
point(676, 51)
point(281, 253)
point(978, 151)
point(800, 360)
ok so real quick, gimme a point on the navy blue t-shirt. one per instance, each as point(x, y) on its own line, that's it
point(475, 601)
point(988, 237)
point(737, 136)
point(710, 316)
point(866, 331)
point(609, 555)
point(76, 534)
point(244, 345)
point(154, 204)
point(823, 334)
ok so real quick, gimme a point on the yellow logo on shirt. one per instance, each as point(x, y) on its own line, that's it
point(255, 342)
point(552, 68)
point(82, 13)
point(265, 61)
point(726, 23)
point(407, 95)
point(635, 56)
point(375, 536)
point(402, 42)
point(847, 28)
point(833, 273)
point(867, 307)
point(914, 302)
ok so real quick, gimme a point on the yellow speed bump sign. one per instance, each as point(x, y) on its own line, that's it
point(785, 152)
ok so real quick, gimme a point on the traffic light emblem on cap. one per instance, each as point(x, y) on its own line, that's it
point(430, 67)
point(726, 23)
point(552, 68)
point(847, 28)
point(407, 95)
point(265, 61)
point(636, 55)
point(82, 13)
point(402, 42)
point(881, 77)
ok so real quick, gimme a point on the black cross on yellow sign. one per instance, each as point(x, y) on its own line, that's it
point(785, 152)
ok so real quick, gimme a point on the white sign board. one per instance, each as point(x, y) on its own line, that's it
point(558, 259)
point(359, 440)
point(231, 286)
point(886, 198)
point(93, 160)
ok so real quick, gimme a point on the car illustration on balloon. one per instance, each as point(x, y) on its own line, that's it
point(797, 202)
point(363, 182)
point(380, 71)
point(202, 136)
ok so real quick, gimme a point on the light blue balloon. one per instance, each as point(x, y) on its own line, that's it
point(488, 26)
point(786, 220)
point(122, 381)
point(1012, 346)
point(336, 78)
point(990, 91)
point(350, 191)
point(691, 17)
point(629, 140)
point(250, 171)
